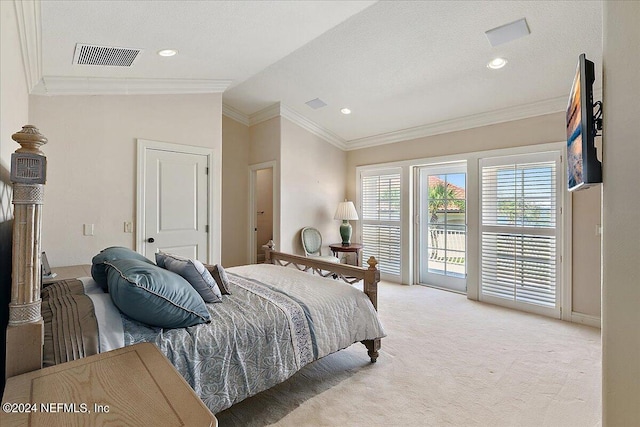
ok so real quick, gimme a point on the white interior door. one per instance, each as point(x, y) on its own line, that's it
point(175, 203)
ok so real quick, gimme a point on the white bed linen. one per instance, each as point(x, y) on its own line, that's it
point(110, 329)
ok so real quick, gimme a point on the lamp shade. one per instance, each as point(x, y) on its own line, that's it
point(346, 211)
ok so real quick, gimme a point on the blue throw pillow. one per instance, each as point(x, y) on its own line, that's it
point(196, 274)
point(98, 269)
point(153, 295)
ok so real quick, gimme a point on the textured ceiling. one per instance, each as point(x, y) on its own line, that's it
point(229, 40)
point(396, 65)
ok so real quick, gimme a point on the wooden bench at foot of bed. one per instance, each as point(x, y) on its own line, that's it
point(348, 273)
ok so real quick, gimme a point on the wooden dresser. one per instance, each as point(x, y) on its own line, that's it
point(131, 386)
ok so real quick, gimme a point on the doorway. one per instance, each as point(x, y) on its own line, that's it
point(173, 203)
point(263, 209)
point(442, 227)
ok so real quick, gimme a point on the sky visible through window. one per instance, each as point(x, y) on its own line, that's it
point(525, 196)
point(456, 179)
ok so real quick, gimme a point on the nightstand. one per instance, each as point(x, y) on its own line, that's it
point(132, 386)
point(351, 247)
point(69, 272)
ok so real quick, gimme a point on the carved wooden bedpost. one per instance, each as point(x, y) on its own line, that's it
point(25, 330)
point(370, 287)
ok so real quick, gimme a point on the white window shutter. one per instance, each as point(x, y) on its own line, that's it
point(519, 229)
point(381, 208)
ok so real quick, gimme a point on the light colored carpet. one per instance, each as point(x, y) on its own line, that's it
point(446, 361)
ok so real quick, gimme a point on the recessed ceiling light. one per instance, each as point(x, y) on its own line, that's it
point(497, 63)
point(345, 111)
point(167, 52)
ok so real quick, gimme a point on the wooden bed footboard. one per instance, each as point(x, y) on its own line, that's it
point(348, 273)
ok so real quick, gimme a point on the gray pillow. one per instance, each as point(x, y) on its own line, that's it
point(98, 269)
point(160, 257)
point(220, 276)
point(195, 273)
point(153, 295)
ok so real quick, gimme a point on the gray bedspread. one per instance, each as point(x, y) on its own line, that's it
point(275, 321)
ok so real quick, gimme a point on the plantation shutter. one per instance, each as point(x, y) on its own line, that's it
point(380, 203)
point(520, 229)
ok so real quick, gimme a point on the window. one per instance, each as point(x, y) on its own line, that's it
point(520, 231)
point(381, 205)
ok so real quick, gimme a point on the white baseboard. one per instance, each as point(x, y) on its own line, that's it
point(586, 319)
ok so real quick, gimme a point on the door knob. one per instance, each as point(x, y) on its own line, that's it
point(151, 240)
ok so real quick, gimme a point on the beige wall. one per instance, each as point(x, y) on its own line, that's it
point(586, 243)
point(14, 102)
point(309, 176)
point(313, 174)
point(14, 113)
point(92, 162)
point(235, 184)
point(537, 130)
point(621, 216)
point(265, 146)
point(14, 94)
point(265, 142)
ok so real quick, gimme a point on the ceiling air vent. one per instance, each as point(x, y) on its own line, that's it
point(316, 103)
point(107, 56)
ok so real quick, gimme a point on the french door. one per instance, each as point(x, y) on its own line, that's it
point(521, 231)
point(442, 228)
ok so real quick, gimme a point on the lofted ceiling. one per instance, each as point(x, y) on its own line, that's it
point(404, 68)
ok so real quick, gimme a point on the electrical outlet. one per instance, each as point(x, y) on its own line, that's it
point(128, 227)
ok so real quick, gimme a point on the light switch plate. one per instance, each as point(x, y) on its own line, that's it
point(88, 229)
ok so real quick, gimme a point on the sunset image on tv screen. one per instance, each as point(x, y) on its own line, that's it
point(574, 135)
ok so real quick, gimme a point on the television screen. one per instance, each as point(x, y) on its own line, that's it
point(574, 135)
point(583, 167)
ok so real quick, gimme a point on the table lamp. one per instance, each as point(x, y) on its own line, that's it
point(346, 211)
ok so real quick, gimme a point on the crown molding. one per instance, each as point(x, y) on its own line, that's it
point(29, 21)
point(312, 127)
point(540, 108)
point(59, 85)
point(265, 114)
point(234, 114)
point(280, 110)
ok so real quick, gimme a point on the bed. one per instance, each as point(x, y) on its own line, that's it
point(278, 317)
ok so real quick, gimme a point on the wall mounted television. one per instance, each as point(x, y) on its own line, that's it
point(583, 167)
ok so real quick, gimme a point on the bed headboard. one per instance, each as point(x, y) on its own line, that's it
point(24, 336)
